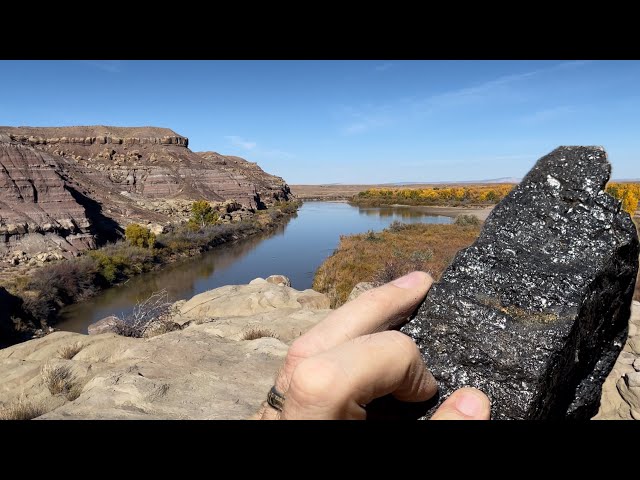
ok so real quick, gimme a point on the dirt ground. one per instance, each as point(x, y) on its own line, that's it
point(328, 192)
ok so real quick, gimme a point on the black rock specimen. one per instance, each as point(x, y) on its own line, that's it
point(535, 312)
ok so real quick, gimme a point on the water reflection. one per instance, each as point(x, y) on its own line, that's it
point(400, 213)
point(295, 250)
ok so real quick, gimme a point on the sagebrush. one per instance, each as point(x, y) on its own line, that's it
point(254, 333)
point(22, 409)
point(58, 378)
point(67, 352)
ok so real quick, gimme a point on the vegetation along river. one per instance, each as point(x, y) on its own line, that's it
point(296, 250)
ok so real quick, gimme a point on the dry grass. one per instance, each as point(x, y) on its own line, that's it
point(254, 333)
point(57, 378)
point(395, 251)
point(67, 352)
point(74, 391)
point(22, 409)
point(636, 292)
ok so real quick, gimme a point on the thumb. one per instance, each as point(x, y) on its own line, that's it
point(464, 404)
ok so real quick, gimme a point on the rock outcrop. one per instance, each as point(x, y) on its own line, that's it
point(63, 189)
point(37, 211)
point(206, 370)
point(621, 391)
point(535, 312)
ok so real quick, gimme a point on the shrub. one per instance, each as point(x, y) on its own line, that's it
point(119, 261)
point(371, 236)
point(288, 207)
point(67, 352)
point(66, 280)
point(22, 409)
point(396, 226)
point(202, 214)
point(57, 378)
point(254, 333)
point(155, 310)
point(139, 236)
point(465, 220)
point(74, 391)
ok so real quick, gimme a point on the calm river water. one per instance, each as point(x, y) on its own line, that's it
point(295, 250)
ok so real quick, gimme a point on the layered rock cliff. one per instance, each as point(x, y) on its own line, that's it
point(61, 189)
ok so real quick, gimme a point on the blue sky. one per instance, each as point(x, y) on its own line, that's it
point(349, 121)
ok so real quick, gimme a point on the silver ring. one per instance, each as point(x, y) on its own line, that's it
point(275, 399)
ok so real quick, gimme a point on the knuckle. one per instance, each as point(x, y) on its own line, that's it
point(404, 342)
point(313, 381)
point(299, 350)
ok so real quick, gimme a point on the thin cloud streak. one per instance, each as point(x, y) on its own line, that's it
point(367, 119)
point(383, 67)
point(546, 115)
point(111, 66)
point(238, 141)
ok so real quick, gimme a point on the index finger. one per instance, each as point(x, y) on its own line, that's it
point(375, 310)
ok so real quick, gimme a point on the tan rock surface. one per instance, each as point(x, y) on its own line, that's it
point(621, 390)
point(204, 371)
point(259, 296)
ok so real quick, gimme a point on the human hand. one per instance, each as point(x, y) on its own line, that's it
point(352, 357)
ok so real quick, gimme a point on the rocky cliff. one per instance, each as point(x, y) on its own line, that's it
point(63, 188)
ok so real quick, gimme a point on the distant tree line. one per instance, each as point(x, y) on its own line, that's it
point(627, 193)
point(445, 195)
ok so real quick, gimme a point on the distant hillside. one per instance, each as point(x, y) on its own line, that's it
point(64, 188)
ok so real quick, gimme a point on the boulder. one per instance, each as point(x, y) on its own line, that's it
point(259, 296)
point(535, 312)
point(359, 289)
point(210, 368)
point(104, 325)
point(280, 280)
point(614, 405)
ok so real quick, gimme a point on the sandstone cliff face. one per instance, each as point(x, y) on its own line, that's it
point(79, 184)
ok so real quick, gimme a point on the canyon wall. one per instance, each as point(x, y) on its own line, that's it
point(62, 189)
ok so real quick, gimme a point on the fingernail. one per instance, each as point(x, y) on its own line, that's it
point(410, 280)
point(470, 404)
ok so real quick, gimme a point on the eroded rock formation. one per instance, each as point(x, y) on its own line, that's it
point(205, 370)
point(535, 312)
point(69, 186)
point(38, 213)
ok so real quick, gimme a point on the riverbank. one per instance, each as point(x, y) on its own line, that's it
point(219, 364)
point(379, 257)
point(33, 298)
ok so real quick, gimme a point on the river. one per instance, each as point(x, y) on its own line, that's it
point(296, 250)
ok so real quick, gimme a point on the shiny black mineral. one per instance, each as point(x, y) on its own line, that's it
point(535, 312)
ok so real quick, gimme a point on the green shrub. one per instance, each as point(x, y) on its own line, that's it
point(202, 214)
point(139, 236)
point(466, 220)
